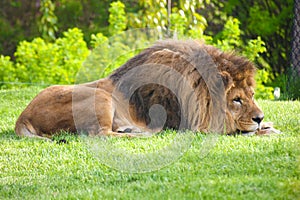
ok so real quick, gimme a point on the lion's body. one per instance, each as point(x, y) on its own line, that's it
point(187, 79)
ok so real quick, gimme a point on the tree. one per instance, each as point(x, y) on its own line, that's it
point(47, 23)
point(270, 19)
point(294, 76)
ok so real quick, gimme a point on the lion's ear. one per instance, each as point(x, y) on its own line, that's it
point(227, 80)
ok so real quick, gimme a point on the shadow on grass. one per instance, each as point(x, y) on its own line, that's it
point(9, 134)
point(59, 138)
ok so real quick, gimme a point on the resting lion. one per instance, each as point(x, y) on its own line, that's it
point(173, 84)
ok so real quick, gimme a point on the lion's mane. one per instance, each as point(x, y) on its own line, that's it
point(195, 62)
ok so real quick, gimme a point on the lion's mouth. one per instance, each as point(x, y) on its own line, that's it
point(248, 132)
point(262, 129)
point(251, 130)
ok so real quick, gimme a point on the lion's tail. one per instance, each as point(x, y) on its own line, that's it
point(25, 129)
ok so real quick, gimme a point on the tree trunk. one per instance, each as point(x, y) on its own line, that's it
point(296, 40)
point(293, 87)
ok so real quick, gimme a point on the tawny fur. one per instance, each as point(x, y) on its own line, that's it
point(187, 104)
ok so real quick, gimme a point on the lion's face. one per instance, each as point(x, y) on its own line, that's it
point(244, 113)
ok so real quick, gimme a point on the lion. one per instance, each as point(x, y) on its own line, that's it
point(174, 84)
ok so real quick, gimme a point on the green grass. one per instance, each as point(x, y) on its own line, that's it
point(258, 167)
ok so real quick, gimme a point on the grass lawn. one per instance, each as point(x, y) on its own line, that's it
point(258, 167)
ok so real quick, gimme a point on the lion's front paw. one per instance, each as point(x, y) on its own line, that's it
point(267, 128)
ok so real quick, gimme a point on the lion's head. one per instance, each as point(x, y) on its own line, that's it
point(242, 113)
point(201, 67)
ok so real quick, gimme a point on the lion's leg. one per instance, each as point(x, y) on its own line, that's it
point(117, 134)
point(136, 131)
point(105, 113)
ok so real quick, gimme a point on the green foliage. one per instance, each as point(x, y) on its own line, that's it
point(189, 18)
point(178, 22)
point(91, 16)
point(105, 57)
point(261, 23)
point(117, 18)
point(262, 91)
point(230, 35)
point(294, 88)
point(44, 62)
point(7, 71)
point(270, 19)
point(184, 18)
point(194, 19)
point(98, 39)
point(153, 14)
point(254, 48)
point(230, 39)
point(293, 84)
point(110, 53)
point(47, 24)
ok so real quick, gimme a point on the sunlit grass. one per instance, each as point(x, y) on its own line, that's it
point(230, 167)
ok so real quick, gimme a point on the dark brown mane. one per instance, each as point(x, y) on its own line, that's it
point(237, 66)
point(199, 64)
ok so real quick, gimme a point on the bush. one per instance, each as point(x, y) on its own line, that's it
point(230, 39)
point(262, 91)
point(7, 71)
point(51, 63)
point(59, 62)
point(110, 53)
point(117, 18)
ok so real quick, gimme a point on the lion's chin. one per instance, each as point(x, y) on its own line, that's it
point(249, 133)
point(252, 130)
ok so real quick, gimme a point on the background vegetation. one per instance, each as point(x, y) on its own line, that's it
point(46, 41)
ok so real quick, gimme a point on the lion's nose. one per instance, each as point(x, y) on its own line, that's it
point(258, 118)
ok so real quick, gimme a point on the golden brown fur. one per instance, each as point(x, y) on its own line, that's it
point(189, 81)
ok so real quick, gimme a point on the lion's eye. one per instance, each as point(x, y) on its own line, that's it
point(237, 100)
